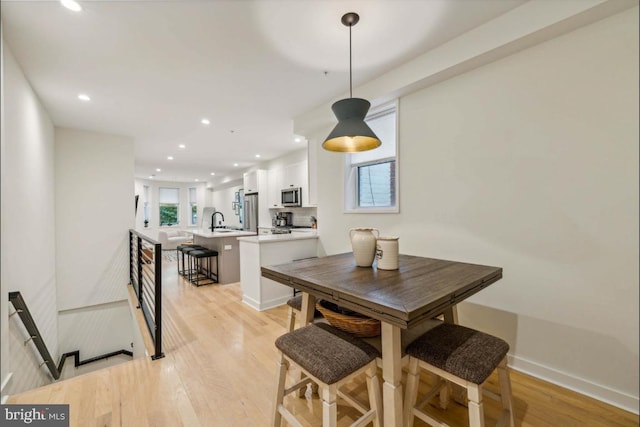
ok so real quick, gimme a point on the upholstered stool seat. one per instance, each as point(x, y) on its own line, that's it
point(465, 357)
point(330, 358)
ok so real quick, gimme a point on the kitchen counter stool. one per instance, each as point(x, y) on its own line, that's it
point(181, 251)
point(465, 357)
point(330, 358)
point(199, 274)
point(295, 308)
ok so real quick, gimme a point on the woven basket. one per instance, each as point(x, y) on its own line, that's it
point(353, 323)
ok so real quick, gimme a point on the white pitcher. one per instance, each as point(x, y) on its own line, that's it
point(387, 253)
point(363, 243)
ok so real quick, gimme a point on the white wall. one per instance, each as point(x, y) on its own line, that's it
point(4, 307)
point(222, 197)
point(529, 163)
point(94, 210)
point(28, 226)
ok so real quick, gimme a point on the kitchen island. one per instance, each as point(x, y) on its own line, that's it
point(259, 292)
point(225, 242)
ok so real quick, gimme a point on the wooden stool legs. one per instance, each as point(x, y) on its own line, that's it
point(329, 393)
point(330, 358)
point(475, 394)
point(292, 325)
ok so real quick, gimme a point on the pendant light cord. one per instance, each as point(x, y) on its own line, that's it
point(350, 67)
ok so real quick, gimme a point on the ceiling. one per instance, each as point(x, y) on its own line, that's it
point(154, 69)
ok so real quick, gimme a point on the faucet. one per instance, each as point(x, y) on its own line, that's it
point(213, 223)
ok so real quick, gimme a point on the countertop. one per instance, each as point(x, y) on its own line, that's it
point(218, 234)
point(274, 238)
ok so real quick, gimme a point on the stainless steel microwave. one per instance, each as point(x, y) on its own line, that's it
point(291, 196)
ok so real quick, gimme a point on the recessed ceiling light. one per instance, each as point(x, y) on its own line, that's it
point(71, 5)
point(158, 170)
point(197, 180)
point(213, 173)
point(235, 164)
point(169, 157)
point(297, 139)
point(84, 97)
point(205, 121)
point(151, 176)
point(257, 156)
point(182, 146)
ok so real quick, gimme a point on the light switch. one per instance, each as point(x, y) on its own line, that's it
point(227, 247)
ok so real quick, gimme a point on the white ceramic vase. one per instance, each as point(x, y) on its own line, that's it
point(363, 243)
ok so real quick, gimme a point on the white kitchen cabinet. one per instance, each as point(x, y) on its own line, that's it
point(275, 186)
point(312, 173)
point(290, 176)
point(259, 292)
point(257, 182)
point(251, 182)
point(296, 175)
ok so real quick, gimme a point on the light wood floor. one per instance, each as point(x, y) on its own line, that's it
point(219, 370)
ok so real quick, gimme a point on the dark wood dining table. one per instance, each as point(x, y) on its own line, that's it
point(421, 289)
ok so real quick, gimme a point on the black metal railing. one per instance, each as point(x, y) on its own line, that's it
point(145, 273)
point(34, 335)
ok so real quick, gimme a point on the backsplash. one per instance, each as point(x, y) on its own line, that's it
point(301, 216)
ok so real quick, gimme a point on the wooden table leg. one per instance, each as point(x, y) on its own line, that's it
point(392, 375)
point(308, 308)
point(451, 314)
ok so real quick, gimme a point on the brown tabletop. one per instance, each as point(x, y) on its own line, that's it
point(419, 290)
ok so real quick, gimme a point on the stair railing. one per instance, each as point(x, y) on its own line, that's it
point(34, 335)
point(145, 274)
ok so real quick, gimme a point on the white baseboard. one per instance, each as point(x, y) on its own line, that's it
point(261, 306)
point(5, 383)
point(251, 302)
point(580, 385)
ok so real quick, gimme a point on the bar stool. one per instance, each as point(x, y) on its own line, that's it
point(181, 251)
point(295, 307)
point(465, 357)
point(197, 272)
point(330, 358)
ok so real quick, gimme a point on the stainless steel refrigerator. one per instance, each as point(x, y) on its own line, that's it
point(250, 213)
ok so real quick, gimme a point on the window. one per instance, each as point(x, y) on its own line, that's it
point(193, 206)
point(169, 201)
point(371, 177)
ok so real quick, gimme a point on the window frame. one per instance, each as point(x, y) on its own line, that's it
point(351, 184)
point(161, 204)
point(193, 203)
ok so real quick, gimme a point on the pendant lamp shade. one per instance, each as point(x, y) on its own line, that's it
point(351, 134)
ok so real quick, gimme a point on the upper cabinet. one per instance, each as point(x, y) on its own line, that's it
point(295, 175)
point(289, 176)
point(257, 182)
point(312, 173)
point(251, 182)
point(275, 185)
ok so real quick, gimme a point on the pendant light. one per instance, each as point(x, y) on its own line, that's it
point(351, 134)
